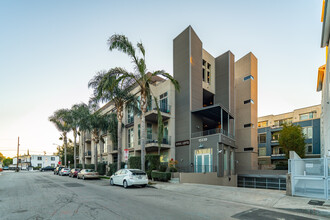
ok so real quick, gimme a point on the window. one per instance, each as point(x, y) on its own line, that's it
point(208, 77)
point(204, 62)
point(105, 146)
point(308, 132)
point(165, 133)
point(163, 103)
point(278, 151)
point(248, 149)
point(130, 116)
point(275, 136)
point(262, 151)
point(39, 165)
point(262, 138)
point(232, 162)
point(39, 158)
point(248, 77)
point(262, 124)
point(250, 125)
point(203, 74)
point(306, 116)
point(130, 137)
point(149, 132)
point(52, 158)
point(208, 66)
point(248, 101)
point(225, 155)
point(309, 149)
point(281, 122)
point(139, 134)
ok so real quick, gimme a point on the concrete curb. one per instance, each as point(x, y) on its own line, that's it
point(315, 212)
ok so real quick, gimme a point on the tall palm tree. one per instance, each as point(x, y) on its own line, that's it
point(79, 114)
point(62, 119)
point(107, 90)
point(140, 77)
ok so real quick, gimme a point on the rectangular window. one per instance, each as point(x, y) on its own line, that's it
point(208, 77)
point(248, 101)
point(149, 132)
point(275, 136)
point(250, 125)
point(130, 138)
point(52, 165)
point(308, 132)
point(287, 121)
point(278, 151)
point(225, 155)
point(248, 77)
point(105, 146)
point(39, 158)
point(203, 74)
point(130, 116)
point(309, 149)
point(139, 134)
point(232, 162)
point(262, 151)
point(163, 103)
point(52, 158)
point(204, 62)
point(262, 138)
point(262, 124)
point(39, 165)
point(208, 66)
point(306, 116)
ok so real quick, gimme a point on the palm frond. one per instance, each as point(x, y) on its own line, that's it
point(141, 47)
point(121, 43)
point(167, 76)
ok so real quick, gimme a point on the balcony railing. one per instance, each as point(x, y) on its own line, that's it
point(162, 107)
point(210, 132)
point(88, 153)
point(154, 139)
point(130, 145)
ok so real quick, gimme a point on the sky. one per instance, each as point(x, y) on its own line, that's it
point(49, 50)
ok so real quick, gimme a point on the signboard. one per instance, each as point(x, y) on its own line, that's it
point(59, 162)
point(309, 165)
point(182, 143)
point(126, 154)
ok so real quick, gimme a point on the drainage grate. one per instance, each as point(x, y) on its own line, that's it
point(264, 214)
point(316, 202)
point(73, 184)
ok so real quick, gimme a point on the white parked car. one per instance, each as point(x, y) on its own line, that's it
point(129, 177)
point(64, 171)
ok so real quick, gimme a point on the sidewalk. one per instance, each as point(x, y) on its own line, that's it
point(258, 197)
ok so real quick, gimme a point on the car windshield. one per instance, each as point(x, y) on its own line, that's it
point(89, 171)
point(137, 172)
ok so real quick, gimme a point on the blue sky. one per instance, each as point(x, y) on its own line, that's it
point(49, 50)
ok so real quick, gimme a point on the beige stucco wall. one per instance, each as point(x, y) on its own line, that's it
point(208, 178)
point(209, 59)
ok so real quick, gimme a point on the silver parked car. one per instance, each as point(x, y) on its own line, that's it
point(129, 177)
point(64, 172)
point(88, 174)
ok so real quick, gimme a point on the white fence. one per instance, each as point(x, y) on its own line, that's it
point(310, 177)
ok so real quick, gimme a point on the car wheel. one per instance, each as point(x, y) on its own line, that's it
point(125, 184)
point(83, 178)
point(111, 182)
point(144, 185)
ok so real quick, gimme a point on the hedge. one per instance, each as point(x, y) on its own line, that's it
point(160, 176)
point(101, 168)
point(152, 162)
point(113, 168)
point(134, 162)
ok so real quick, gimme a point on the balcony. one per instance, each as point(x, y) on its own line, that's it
point(152, 113)
point(211, 132)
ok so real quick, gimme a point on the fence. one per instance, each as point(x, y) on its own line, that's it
point(197, 169)
point(262, 182)
point(310, 177)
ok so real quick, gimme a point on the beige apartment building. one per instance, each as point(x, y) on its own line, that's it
point(107, 153)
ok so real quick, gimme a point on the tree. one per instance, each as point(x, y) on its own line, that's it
point(292, 139)
point(105, 90)
point(61, 119)
point(140, 77)
point(2, 157)
point(7, 161)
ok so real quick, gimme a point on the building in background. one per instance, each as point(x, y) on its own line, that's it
point(26, 161)
point(204, 109)
point(246, 100)
point(268, 133)
point(323, 81)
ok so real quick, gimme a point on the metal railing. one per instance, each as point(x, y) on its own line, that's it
point(212, 131)
point(162, 107)
point(197, 169)
point(278, 183)
point(88, 153)
point(154, 139)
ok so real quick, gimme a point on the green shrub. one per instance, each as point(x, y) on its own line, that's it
point(162, 168)
point(79, 166)
point(173, 170)
point(160, 176)
point(113, 168)
point(152, 163)
point(134, 162)
point(101, 168)
point(281, 166)
point(34, 168)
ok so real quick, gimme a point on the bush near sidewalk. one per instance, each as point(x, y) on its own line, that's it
point(113, 168)
point(152, 163)
point(160, 176)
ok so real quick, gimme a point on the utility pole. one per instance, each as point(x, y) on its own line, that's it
point(17, 154)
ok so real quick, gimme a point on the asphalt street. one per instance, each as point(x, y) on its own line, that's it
point(42, 195)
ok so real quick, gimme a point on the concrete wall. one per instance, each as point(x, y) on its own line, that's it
point(208, 178)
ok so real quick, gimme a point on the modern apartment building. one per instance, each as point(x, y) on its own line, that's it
point(269, 127)
point(108, 153)
point(323, 80)
point(204, 107)
point(246, 100)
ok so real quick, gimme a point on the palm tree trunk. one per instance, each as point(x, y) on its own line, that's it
point(83, 150)
point(95, 150)
point(119, 142)
point(74, 148)
point(143, 138)
point(65, 146)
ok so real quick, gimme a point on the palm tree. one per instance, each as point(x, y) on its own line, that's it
point(140, 77)
point(106, 90)
point(79, 114)
point(62, 119)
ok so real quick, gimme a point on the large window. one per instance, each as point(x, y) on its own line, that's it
point(163, 103)
point(203, 74)
point(149, 132)
point(130, 138)
point(208, 77)
point(275, 136)
point(278, 151)
point(306, 116)
point(165, 134)
point(39, 165)
point(39, 158)
point(262, 138)
point(130, 116)
point(52, 158)
point(139, 134)
point(262, 151)
point(262, 124)
point(248, 77)
point(287, 121)
point(308, 132)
